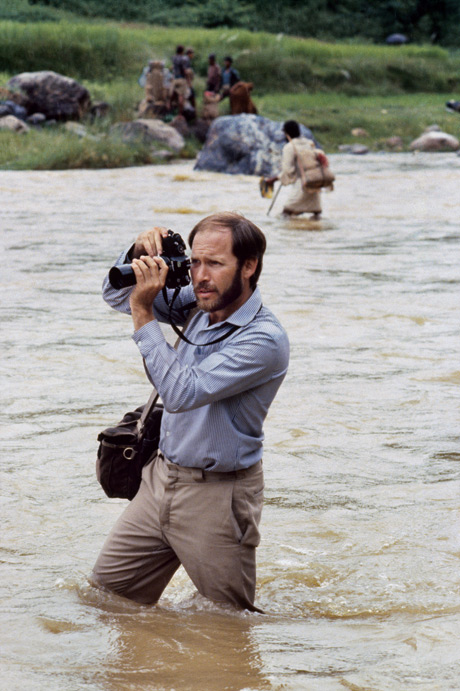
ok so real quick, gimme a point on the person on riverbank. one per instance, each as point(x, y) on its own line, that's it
point(214, 77)
point(299, 151)
point(179, 85)
point(156, 101)
point(190, 76)
point(230, 76)
point(200, 499)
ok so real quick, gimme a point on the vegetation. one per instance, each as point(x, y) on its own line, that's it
point(274, 63)
point(421, 20)
point(331, 87)
point(332, 117)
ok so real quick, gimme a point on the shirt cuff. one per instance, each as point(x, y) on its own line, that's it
point(148, 337)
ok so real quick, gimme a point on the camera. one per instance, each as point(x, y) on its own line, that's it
point(174, 256)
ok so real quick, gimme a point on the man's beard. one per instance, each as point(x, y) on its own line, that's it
point(225, 299)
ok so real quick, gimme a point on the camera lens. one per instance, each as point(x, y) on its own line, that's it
point(122, 276)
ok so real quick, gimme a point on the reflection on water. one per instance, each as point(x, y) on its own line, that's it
point(358, 569)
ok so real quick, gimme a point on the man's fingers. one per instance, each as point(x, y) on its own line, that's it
point(159, 232)
point(154, 244)
point(146, 268)
point(149, 244)
point(150, 241)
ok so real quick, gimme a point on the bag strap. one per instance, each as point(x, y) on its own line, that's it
point(149, 406)
point(154, 396)
point(299, 166)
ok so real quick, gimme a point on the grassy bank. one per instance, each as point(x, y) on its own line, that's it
point(332, 88)
point(331, 118)
point(273, 63)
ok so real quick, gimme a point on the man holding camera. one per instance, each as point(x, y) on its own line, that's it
point(200, 499)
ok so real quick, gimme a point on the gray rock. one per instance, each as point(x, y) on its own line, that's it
point(395, 143)
point(80, 131)
point(76, 128)
point(9, 107)
point(163, 154)
point(435, 141)
point(56, 96)
point(453, 106)
point(150, 131)
point(14, 124)
point(99, 109)
point(244, 144)
point(36, 119)
point(358, 149)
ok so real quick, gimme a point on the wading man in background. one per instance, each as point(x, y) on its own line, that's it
point(200, 499)
point(299, 151)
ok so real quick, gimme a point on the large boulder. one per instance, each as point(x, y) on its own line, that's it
point(50, 93)
point(244, 144)
point(150, 131)
point(435, 141)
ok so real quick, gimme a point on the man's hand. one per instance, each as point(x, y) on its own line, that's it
point(150, 275)
point(149, 242)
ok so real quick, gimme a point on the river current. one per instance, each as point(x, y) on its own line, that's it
point(359, 564)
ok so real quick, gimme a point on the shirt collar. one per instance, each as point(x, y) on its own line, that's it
point(243, 315)
point(247, 311)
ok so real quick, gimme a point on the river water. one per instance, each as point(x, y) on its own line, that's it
point(358, 569)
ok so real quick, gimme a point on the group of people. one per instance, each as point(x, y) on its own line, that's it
point(168, 90)
point(171, 90)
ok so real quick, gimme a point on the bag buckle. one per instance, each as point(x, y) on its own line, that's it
point(129, 453)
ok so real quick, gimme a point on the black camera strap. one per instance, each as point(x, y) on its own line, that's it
point(191, 305)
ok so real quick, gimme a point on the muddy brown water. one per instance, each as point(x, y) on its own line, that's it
point(358, 569)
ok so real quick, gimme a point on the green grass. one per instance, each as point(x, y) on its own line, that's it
point(57, 149)
point(332, 88)
point(332, 117)
point(107, 50)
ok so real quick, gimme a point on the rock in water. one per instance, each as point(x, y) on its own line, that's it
point(244, 144)
point(435, 141)
point(50, 93)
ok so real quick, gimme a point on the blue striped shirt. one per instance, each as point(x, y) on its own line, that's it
point(216, 397)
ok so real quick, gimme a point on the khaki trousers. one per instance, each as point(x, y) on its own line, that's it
point(206, 521)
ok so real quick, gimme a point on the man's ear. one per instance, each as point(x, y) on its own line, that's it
point(249, 267)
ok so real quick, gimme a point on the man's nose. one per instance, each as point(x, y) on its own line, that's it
point(200, 273)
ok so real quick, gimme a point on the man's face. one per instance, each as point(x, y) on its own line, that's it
point(217, 279)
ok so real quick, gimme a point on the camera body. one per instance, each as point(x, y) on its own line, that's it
point(173, 255)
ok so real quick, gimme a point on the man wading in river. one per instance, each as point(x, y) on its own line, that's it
point(200, 499)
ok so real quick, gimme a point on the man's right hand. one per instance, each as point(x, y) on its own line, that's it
point(149, 243)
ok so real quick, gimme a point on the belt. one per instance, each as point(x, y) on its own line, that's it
point(201, 475)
